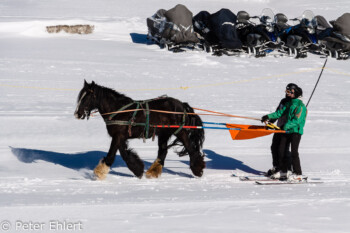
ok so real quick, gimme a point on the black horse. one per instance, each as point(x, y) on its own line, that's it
point(141, 124)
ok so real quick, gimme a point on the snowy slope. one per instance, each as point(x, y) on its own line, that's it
point(47, 156)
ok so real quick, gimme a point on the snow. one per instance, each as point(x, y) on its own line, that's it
point(47, 156)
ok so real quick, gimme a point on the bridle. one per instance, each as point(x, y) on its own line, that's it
point(86, 112)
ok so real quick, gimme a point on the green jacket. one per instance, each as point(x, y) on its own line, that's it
point(296, 112)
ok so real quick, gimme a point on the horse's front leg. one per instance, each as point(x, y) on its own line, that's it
point(197, 163)
point(156, 168)
point(105, 163)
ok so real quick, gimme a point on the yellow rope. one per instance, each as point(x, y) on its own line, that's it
point(338, 72)
point(187, 87)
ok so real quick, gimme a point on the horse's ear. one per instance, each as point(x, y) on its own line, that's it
point(92, 84)
point(85, 84)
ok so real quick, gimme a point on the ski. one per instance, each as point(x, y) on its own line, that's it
point(265, 180)
point(254, 178)
point(279, 182)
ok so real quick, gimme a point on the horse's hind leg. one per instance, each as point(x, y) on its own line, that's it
point(132, 160)
point(197, 163)
point(156, 168)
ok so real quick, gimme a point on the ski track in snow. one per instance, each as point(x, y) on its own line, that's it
point(47, 156)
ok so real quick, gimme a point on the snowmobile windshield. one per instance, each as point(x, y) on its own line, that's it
point(309, 21)
point(267, 18)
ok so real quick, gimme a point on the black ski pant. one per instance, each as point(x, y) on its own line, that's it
point(292, 139)
point(276, 139)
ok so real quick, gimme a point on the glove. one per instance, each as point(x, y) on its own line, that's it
point(264, 118)
point(272, 121)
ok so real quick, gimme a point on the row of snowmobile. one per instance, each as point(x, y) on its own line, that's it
point(242, 34)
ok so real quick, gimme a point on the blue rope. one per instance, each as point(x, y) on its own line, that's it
point(214, 123)
point(207, 127)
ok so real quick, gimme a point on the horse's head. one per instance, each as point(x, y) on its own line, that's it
point(86, 101)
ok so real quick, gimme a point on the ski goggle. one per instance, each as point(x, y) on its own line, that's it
point(290, 91)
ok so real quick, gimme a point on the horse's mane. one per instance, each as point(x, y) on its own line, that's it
point(102, 92)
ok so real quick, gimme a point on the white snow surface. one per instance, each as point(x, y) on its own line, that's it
point(47, 156)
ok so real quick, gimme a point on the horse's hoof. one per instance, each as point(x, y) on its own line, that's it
point(155, 170)
point(197, 172)
point(101, 170)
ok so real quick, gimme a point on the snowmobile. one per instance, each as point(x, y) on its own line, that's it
point(218, 32)
point(300, 38)
point(262, 38)
point(245, 27)
point(173, 29)
point(336, 39)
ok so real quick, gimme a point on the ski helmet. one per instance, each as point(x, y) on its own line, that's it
point(297, 90)
point(291, 86)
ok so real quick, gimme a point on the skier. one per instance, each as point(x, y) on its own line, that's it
point(295, 113)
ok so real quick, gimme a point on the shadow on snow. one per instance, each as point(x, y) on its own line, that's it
point(88, 160)
point(85, 160)
point(221, 162)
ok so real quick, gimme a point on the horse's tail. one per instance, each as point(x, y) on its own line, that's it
point(196, 136)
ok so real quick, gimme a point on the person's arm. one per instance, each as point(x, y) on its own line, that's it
point(277, 114)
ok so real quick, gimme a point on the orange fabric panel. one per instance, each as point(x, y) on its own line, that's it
point(250, 131)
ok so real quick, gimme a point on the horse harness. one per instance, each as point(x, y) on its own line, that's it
point(140, 105)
